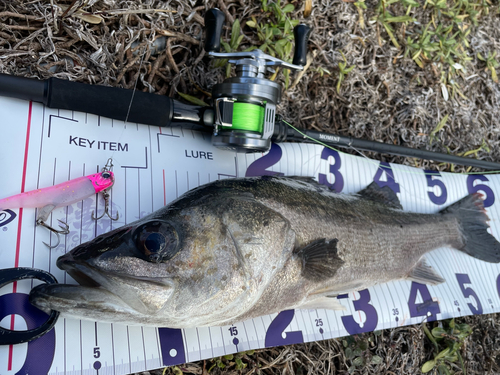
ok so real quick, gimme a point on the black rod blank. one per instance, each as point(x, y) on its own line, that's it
point(283, 132)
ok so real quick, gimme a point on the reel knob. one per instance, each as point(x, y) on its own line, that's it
point(301, 34)
point(214, 21)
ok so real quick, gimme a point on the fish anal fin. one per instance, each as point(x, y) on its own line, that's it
point(379, 194)
point(320, 260)
point(328, 303)
point(424, 274)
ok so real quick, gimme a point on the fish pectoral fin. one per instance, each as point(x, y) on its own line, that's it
point(328, 303)
point(384, 195)
point(320, 260)
point(424, 274)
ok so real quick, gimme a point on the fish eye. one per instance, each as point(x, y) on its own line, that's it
point(106, 175)
point(157, 241)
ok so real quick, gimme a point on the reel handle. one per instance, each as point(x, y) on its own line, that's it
point(214, 21)
point(301, 34)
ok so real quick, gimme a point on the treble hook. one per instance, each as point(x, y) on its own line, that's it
point(105, 195)
point(62, 225)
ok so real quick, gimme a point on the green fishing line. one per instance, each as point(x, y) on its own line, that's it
point(248, 117)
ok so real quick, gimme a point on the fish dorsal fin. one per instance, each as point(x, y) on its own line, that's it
point(320, 260)
point(383, 195)
point(329, 303)
point(424, 274)
point(308, 179)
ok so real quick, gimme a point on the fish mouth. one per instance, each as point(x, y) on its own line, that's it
point(81, 277)
point(83, 274)
point(113, 295)
point(95, 296)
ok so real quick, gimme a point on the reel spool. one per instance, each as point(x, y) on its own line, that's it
point(245, 105)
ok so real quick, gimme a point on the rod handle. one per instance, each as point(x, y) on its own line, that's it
point(112, 102)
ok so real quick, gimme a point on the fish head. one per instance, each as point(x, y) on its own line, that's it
point(185, 265)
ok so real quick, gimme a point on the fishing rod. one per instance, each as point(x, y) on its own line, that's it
point(243, 117)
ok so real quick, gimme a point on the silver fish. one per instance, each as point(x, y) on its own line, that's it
point(237, 249)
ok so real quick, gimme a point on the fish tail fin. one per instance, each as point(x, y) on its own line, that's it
point(472, 218)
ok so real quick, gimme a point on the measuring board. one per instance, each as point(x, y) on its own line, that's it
point(41, 147)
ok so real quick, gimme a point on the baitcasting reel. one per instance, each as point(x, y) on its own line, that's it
point(245, 105)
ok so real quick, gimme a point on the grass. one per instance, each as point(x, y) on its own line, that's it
point(443, 40)
point(276, 33)
point(447, 338)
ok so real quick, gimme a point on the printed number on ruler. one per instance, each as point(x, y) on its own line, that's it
point(40, 353)
point(361, 305)
point(259, 166)
point(276, 335)
point(172, 346)
point(334, 170)
point(385, 169)
point(490, 197)
point(97, 354)
point(234, 332)
point(431, 182)
point(462, 279)
point(395, 313)
point(427, 307)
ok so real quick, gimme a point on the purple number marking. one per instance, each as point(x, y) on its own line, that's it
point(338, 185)
point(490, 197)
point(498, 286)
point(274, 334)
point(362, 304)
point(386, 168)
point(40, 353)
point(427, 306)
point(259, 166)
point(462, 279)
point(233, 331)
point(172, 346)
point(6, 216)
point(436, 199)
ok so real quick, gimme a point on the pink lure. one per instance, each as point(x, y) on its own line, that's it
point(63, 194)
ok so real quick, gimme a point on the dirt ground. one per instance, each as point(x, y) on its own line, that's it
point(437, 93)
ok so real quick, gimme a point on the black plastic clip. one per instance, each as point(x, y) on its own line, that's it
point(9, 275)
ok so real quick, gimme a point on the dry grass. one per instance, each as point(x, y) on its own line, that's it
point(387, 97)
